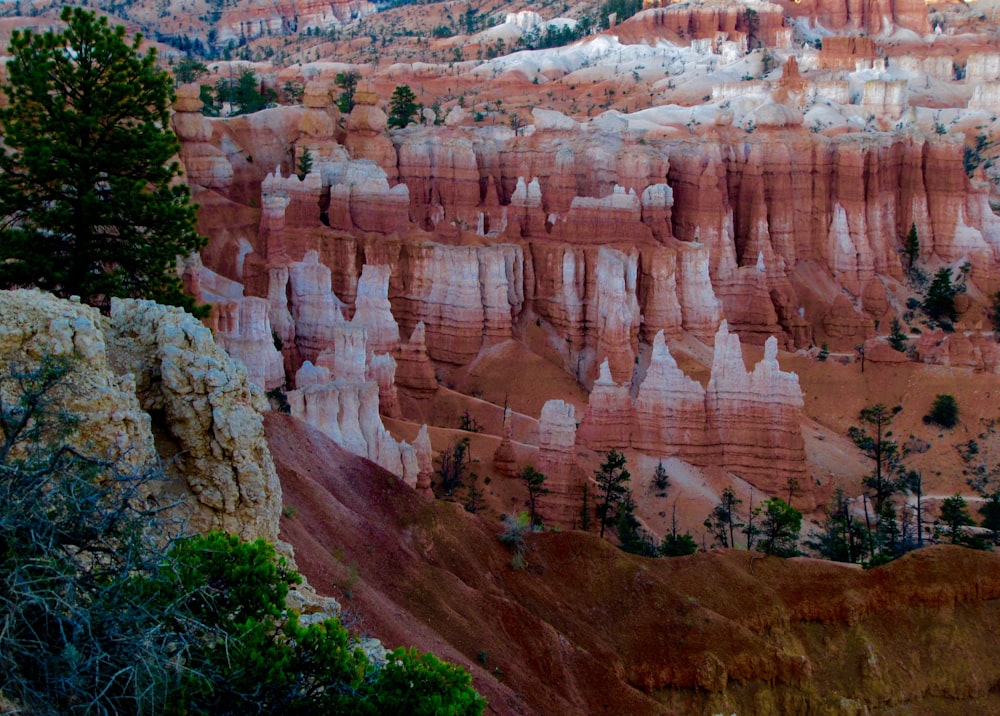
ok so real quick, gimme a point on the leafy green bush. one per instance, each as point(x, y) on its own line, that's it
point(415, 684)
point(944, 411)
point(677, 545)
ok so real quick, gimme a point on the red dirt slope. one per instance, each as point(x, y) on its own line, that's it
point(587, 629)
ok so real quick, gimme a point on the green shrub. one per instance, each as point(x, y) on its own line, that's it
point(677, 545)
point(944, 411)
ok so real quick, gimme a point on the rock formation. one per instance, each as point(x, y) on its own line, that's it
point(110, 420)
point(748, 423)
point(607, 421)
point(755, 417)
point(341, 396)
point(414, 370)
point(373, 311)
point(212, 414)
point(505, 457)
point(366, 137)
point(557, 461)
point(152, 370)
point(669, 410)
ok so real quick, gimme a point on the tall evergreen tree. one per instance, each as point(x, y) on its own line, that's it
point(885, 481)
point(780, 528)
point(612, 479)
point(940, 301)
point(911, 247)
point(402, 106)
point(88, 201)
point(347, 81)
point(723, 521)
point(955, 515)
point(535, 482)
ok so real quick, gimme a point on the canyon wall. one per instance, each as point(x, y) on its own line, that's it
point(710, 228)
point(460, 238)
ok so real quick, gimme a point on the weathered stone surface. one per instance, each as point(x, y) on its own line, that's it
point(314, 308)
point(557, 461)
point(150, 359)
point(425, 463)
point(382, 369)
point(755, 417)
point(373, 310)
point(366, 138)
point(746, 422)
point(505, 457)
point(617, 312)
point(669, 412)
point(607, 422)
point(244, 21)
point(244, 332)
point(462, 294)
point(211, 411)
point(111, 422)
point(414, 370)
point(661, 309)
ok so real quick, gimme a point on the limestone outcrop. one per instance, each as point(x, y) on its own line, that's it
point(211, 413)
point(464, 295)
point(715, 227)
point(111, 422)
point(246, 20)
point(670, 409)
point(152, 370)
point(756, 417)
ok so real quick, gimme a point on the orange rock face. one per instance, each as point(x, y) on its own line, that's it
point(557, 461)
point(460, 237)
point(247, 20)
point(875, 18)
point(707, 20)
point(748, 423)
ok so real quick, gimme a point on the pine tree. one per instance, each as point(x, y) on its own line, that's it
point(402, 106)
point(780, 528)
point(611, 479)
point(87, 192)
point(940, 301)
point(911, 247)
point(955, 514)
point(661, 480)
point(535, 482)
point(347, 81)
point(473, 495)
point(886, 479)
point(724, 520)
point(305, 164)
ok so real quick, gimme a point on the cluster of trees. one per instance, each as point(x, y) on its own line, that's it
point(555, 36)
point(616, 508)
point(621, 9)
point(890, 525)
point(938, 303)
point(244, 95)
point(98, 616)
point(772, 527)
